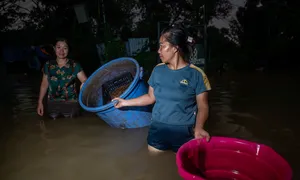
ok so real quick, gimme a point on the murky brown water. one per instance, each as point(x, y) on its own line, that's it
point(257, 107)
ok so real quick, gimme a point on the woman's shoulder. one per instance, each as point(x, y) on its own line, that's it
point(197, 69)
point(47, 64)
point(73, 62)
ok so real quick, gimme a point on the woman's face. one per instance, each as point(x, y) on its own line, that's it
point(61, 49)
point(166, 50)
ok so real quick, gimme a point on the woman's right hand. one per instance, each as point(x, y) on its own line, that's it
point(118, 102)
point(40, 109)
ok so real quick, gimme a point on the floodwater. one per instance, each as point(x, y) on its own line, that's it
point(258, 107)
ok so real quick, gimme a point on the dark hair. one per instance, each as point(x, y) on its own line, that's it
point(60, 39)
point(178, 36)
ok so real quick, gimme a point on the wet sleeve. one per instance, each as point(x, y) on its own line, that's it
point(151, 80)
point(202, 83)
point(45, 68)
point(77, 68)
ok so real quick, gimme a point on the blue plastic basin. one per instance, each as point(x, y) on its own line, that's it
point(91, 96)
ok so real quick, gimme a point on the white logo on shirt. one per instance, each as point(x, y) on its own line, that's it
point(184, 81)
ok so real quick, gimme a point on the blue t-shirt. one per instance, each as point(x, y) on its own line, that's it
point(175, 92)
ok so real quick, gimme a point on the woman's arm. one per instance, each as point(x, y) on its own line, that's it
point(43, 88)
point(202, 116)
point(144, 100)
point(82, 78)
point(203, 109)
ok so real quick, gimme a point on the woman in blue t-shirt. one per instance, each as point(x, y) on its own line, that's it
point(180, 93)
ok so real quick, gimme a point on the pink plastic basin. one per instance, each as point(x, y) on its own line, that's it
point(230, 159)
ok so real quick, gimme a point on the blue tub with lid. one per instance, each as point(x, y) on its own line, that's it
point(92, 98)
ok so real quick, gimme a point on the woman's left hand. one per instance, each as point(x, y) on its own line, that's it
point(201, 133)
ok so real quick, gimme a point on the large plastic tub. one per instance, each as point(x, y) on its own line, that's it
point(229, 158)
point(93, 95)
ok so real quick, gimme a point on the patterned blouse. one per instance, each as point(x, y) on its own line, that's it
point(62, 86)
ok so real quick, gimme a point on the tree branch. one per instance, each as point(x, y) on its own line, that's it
point(20, 7)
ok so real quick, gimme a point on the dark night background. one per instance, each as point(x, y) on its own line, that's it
point(251, 58)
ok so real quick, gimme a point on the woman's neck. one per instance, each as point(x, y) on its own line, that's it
point(61, 62)
point(177, 63)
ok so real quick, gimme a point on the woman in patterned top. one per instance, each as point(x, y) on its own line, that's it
point(59, 79)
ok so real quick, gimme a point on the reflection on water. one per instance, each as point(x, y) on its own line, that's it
point(249, 107)
point(24, 98)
